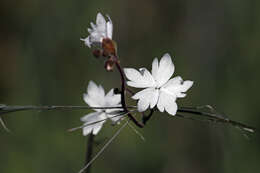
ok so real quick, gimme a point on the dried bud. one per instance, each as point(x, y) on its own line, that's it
point(109, 47)
point(109, 64)
point(97, 53)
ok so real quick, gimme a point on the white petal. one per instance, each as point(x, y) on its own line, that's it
point(94, 90)
point(165, 70)
point(100, 21)
point(142, 105)
point(186, 85)
point(155, 67)
point(95, 95)
point(96, 129)
point(86, 41)
point(177, 87)
point(173, 82)
point(93, 26)
point(90, 30)
point(138, 79)
point(96, 37)
point(115, 115)
point(167, 102)
point(146, 97)
point(101, 90)
point(109, 28)
point(110, 93)
point(92, 118)
point(112, 99)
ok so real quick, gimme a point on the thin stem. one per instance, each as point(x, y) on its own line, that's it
point(213, 117)
point(89, 151)
point(146, 118)
point(4, 109)
point(130, 91)
point(136, 131)
point(122, 84)
point(3, 124)
point(104, 147)
point(123, 89)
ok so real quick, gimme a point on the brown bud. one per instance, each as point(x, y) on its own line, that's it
point(97, 53)
point(109, 47)
point(109, 64)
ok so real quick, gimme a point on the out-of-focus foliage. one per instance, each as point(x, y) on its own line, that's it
point(43, 62)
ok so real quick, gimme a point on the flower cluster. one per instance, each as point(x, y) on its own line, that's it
point(96, 98)
point(100, 39)
point(159, 89)
point(99, 31)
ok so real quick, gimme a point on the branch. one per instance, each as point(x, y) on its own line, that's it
point(213, 117)
point(195, 113)
point(123, 89)
point(146, 118)
point(104, 147)
point(89, 151)
point(3, 124)
point(4, 109)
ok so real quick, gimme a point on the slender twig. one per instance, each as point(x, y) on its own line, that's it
point(3, 124)
point(123, 88)
point(214, 117)
point(89, 151)
point(104, 147)
point(130, 91)
point(4, 109)
point(146, 118)
point(193, 119)
point(136, 131)
point(193, 111)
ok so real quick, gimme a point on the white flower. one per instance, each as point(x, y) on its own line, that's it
point(99, 31)
point(159, 89)
point(95, 97)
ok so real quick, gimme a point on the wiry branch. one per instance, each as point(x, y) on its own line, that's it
point(147, 117)
point(3, 124)
point(211, 116)
point(89, 151)
point(4, 109)
point(104, 147)
point(194, 113)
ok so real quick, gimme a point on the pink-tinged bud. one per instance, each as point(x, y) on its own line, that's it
point(97, 53)
point(109, 64)
point(109, 47)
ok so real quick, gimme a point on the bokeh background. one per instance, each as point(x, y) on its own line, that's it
point(43, 62)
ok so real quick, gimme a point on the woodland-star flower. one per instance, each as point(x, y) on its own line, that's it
point(102, 29)
point(159, 89)
point(95, 97)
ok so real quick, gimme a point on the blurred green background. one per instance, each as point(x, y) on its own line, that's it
point(43, 62)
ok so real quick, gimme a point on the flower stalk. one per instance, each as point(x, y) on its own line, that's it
point(89, 151)
point(123, 92)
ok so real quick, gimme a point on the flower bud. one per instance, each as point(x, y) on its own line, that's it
point(97, 53)
point(109, 47)
point(109, 64)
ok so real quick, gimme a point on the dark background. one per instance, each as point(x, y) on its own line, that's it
point(43, 62)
